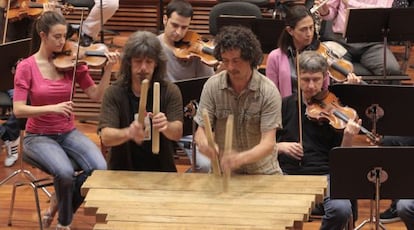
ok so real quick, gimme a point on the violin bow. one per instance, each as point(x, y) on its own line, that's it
point(77, 56)
point(6, 22)
point(299, 92)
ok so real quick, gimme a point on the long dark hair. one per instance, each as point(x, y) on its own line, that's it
point(43, 23)
point(143, 44)
point(293, 15)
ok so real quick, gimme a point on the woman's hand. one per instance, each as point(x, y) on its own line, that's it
point(112, 59)
point(65, 108)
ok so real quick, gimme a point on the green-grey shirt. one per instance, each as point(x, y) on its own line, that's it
point(256, 110)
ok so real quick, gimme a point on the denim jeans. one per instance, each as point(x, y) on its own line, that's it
point(52, 152)
point(405, 209)
point(202, 162)
point(337, 212)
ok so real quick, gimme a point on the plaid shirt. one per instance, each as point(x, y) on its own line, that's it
point(256, 110)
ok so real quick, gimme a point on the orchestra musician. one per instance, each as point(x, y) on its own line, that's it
point(369, 54)
point(16, 29)
point(143, 58)
point(299, 35)
point(51, 137)
point(391, 214)
point(309, 156)
point(253, 100)
point(176, 24)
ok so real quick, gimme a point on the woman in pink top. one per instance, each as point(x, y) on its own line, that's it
point(51, 137)
point(299, 35)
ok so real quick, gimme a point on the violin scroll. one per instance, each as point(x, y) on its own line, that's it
point(190, 110)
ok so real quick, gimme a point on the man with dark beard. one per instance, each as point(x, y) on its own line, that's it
point(143, 58)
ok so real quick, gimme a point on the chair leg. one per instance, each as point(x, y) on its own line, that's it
point(39, 214)
point(12, 203)
point(35, 186)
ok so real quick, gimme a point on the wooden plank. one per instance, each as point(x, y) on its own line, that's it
point(167, 226)
point(153, 200)
point(91, 207)
point(199, 182)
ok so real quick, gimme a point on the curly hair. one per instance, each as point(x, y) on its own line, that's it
point(238, 37)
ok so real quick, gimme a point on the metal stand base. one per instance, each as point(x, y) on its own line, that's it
point(377, 176)
point(26, 174)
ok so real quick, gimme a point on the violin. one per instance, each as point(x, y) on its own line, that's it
point(325, 106)
point(25, 8)
point(339, 68)
point(192, 45)
point(93, 56)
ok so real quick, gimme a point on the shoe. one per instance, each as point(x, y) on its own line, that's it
point(86, 40)
point(47, 218)
point(49, 214)
point(12, 152)
point(61, 227)
point(389, 216)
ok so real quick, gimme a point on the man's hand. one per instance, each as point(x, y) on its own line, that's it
point(292, 149)
point(135, 132)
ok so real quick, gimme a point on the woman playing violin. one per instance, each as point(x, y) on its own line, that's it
point(51, 137)
point(311, 156)
point(299, 35)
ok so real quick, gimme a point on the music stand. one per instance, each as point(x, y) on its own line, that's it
point(370, 100)
point(10, 53)
point(379, 24)
point(377, 172)
point(191, 92)
point(266, 30)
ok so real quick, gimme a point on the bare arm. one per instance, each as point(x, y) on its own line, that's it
point(21, 109)
point(202, 143)
point(115, 136)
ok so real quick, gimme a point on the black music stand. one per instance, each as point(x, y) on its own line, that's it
point(393, 101)
point(380, 24)
point(376, 172)
point(191, 92)
point(10, 53)
point(266, 30)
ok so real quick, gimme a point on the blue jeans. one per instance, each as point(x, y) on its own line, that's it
point(52, 152)
point(202, 162)
point(337, 212)
point(405, 209)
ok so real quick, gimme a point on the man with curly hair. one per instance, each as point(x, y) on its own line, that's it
point(252, 98)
